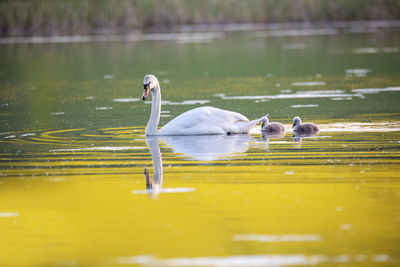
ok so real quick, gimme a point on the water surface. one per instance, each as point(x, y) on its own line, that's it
point(81, 185)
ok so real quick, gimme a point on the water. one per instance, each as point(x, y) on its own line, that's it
point(82, 186)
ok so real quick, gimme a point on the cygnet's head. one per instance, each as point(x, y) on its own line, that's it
point(264, 121)
point(296, 122)
point(149, 83)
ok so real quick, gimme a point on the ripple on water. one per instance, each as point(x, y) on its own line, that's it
point(28, 134)
point(305, 106)
point(8, 214)
point(277, 238)
point(126, 99)
point(308, 83)
point(102, 148)
point(375, 50)
point(252, 260)
point(376, 90)
point(357, 72)
point(333, 94)
point(185, 102)
point(241, 260)
point(361, 127)
point(165, 190)
point(297, 95)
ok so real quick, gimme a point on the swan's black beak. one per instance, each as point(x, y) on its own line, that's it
point(146, 89)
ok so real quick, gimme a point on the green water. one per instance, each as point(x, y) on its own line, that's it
point(80, 184)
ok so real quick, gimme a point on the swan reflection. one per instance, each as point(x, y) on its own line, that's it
point(196, 147)
point(208, 147)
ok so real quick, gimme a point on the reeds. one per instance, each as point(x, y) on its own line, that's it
point(60, 17)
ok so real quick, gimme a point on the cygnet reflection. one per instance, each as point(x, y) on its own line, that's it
point(265, 136)
point(298, 137)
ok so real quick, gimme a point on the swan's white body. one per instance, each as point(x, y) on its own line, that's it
point(198, 121)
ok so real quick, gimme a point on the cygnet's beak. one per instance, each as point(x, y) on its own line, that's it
point(293, 124)
point(146, 89)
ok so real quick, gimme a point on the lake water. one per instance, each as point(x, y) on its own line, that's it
point(80, 184)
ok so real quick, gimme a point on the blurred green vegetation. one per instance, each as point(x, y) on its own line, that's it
point(45, 17)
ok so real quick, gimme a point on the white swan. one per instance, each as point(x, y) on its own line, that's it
point(202, 120)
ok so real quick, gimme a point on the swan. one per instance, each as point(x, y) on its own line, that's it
point(198, 121)
point(271, 127)
point(304, 128)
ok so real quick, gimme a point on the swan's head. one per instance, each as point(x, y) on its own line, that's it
point(149, 83)
point(296, 122)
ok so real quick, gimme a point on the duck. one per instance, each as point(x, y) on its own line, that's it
point(274, 128)
point(198, 121)
point(304, 128)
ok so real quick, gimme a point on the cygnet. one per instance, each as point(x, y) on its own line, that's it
point(304, 128)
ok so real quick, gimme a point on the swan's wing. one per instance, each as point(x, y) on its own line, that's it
point(202, 120)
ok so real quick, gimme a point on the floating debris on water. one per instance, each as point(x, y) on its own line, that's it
point(103, 108)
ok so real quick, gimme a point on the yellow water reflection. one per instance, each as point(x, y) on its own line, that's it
point(87, 201)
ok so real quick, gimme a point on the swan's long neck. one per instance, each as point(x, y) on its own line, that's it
point(157, 163)
point(151, 128)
